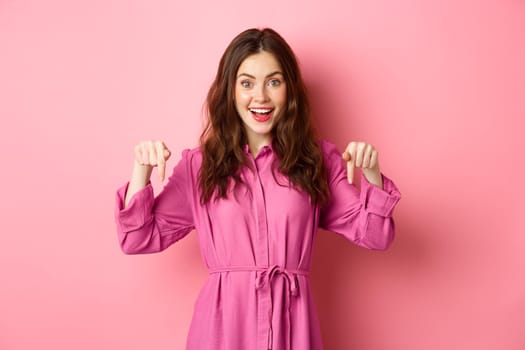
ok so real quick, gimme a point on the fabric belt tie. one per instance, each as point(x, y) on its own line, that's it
point(263, 285)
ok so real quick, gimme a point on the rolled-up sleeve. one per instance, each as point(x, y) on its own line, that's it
point(363, 216)
point(149, 224)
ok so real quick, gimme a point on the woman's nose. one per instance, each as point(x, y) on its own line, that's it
point(260, 93)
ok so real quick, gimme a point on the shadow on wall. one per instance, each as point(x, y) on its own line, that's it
point(333, 98)
point(349, 281)
point(353, 285)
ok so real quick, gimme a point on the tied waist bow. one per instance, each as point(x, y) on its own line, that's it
point(265, 276)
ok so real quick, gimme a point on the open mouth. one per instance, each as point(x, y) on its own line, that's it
point(261, 114)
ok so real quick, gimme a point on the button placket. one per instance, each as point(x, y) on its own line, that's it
point(261, 256)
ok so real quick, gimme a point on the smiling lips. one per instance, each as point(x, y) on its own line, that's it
point(261, 114)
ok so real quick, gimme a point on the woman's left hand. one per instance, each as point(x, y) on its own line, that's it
point(363, 155)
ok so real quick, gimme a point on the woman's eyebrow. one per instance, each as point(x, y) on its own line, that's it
point(252, 77)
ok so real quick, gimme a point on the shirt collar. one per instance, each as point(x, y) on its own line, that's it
point(265, 149)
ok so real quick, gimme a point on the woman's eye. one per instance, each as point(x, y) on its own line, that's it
point(274, 82)
point(246, 84)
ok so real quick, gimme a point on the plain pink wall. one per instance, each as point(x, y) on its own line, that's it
point(437, 86)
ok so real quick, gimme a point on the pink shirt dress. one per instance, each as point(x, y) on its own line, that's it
point(257, 246)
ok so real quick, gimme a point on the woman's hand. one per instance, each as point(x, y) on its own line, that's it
point(152, 154)
point(363, 155)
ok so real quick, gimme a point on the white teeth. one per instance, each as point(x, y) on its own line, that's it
point(260, 110)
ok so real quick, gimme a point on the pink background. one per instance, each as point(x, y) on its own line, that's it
point(437, 86)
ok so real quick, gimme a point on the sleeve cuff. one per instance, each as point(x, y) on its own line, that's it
point(379, 201)
point(137, 213)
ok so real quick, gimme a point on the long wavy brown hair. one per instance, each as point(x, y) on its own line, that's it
point(222, 141)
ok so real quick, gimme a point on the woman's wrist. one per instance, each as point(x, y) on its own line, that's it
point(141, 173)
point(374, 177)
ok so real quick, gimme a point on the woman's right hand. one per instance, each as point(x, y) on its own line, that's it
point(152, 154)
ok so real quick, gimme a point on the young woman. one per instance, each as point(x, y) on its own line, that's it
point(255, 192)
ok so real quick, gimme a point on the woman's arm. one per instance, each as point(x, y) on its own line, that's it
point(363, 216)
point(149, 224)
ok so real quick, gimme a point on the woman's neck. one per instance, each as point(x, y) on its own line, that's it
point(256, 144)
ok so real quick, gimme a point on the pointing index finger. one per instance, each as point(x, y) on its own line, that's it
point(350, 161)
point(161, 161)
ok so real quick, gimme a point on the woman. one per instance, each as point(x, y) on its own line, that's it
point(256, 191)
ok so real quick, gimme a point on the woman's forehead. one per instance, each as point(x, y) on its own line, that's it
point(261, 64)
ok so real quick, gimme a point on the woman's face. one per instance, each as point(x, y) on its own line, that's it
point(260, 96)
